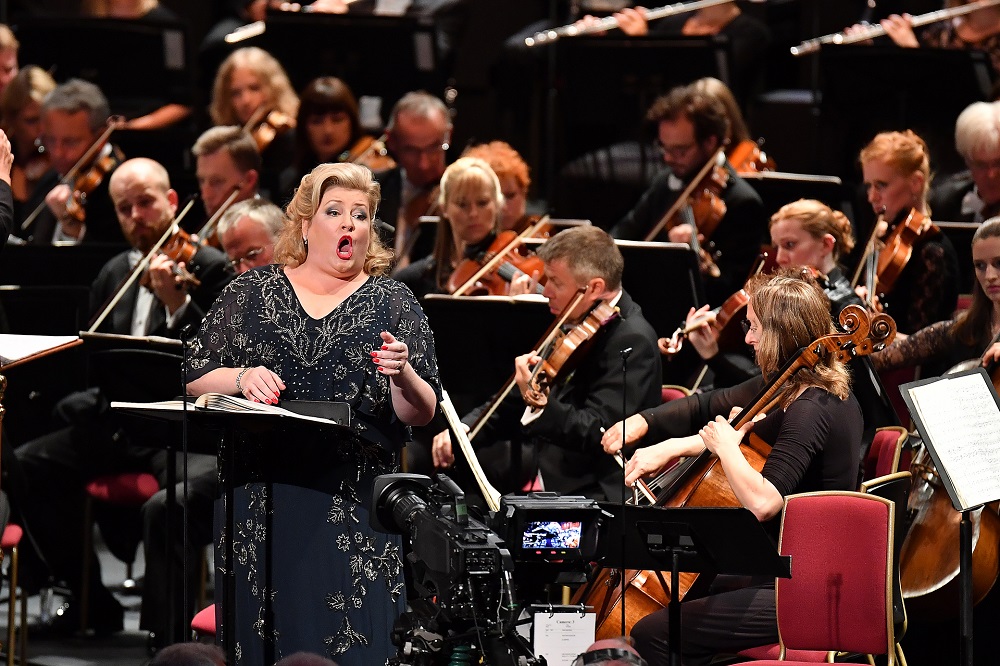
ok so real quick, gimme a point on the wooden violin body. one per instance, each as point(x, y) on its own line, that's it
point(898, 248)
point(370, 152)
point(495, 282)
point(747, 157)
point(89, 179)
point(267, 130)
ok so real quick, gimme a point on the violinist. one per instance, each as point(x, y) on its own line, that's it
point(804, 233)
point(691, 128)
point(563, 438)
point(896, 169)
point(973, 195)
point(742, 151)
point(74, 116)
point(471, 204)
point(815, 435)
point(419, 135)
point(329, 130)
point(515, 179)
point(21, 118)
point(226, 160)
point(252, 90)
point(57, 465)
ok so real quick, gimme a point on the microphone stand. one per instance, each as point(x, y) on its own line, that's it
point(624, 354)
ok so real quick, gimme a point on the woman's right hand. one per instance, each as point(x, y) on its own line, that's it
point(900, 30)
point(648, 461)
point(258, 384)
point(635, 428)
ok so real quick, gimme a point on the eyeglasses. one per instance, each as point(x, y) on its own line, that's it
point(748, 327)
point(414, 152)
point(253, 253)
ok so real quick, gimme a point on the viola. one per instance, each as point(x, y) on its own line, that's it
point(492, 272)
point(266, 130)
point(747, 158)
point(700, 205)
point(701, 481)
point(565, 352)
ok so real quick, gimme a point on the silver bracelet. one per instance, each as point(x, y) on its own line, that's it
point(238, 378)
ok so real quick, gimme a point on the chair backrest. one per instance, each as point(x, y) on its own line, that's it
point(883, 456)
point(840, 594)
point(670, 392)
point(895, 488)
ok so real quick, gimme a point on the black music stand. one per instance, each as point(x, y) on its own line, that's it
point(690, 539)
point(920, 89)
point(232, 432)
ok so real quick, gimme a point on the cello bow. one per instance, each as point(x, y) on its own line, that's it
point(491, 494)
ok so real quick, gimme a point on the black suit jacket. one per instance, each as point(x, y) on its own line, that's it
point(391, 181)
point(208, 265)
point(6, 212)
point(737, 238)
point(102, 222)
point(567, 435)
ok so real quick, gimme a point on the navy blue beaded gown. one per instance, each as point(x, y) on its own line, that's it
point(302, 501)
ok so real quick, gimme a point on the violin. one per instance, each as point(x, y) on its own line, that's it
point(700, 205)
point(24, 177)
point(370, 152)
point(732, 309)
point(180, 248)
point(564, 353)
point(898, 247)
point(265, 130)
point(748, 158)
point(494, 270)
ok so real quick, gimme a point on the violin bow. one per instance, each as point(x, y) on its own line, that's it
point(870, 250)
point(509, 385)
point(209, 226)
point(491, 494)
point(139, 267)
point(501, 255)
point(682, 198)
point(114, 122)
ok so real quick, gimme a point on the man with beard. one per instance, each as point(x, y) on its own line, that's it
point(53, 470)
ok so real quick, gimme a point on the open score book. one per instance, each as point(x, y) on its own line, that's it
point(227, 403)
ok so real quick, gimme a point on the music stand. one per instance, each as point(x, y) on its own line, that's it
point(920, 89)
point(690, 539)
point(777, 188)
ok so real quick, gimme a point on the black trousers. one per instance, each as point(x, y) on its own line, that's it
point(53, 471)
point(738, 613)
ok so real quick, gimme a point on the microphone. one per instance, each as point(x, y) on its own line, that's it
point(626, 353)
point(384, 226)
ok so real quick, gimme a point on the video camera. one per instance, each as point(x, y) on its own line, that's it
point(465, 570)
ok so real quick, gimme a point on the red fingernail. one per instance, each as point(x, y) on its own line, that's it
point(385, 346)
point(374, 352)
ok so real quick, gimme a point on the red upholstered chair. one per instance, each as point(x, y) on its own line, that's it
point(884, 455)
point(838, 599)
point(670, 392)
point(203, 623)
point(10, 541)
point(126, 489)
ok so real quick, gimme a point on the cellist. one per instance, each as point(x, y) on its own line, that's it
point(815, 433)
point(564, 436)
point(896, 169)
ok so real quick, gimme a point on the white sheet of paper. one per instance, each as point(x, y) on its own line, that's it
point(560, 637)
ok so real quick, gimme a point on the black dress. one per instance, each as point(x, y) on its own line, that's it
point(335, 585)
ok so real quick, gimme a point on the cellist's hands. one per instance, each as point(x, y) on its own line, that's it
point(649, 461)
point(634, 428)
point(719, 436)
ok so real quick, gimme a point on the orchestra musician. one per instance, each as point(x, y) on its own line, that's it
point(419, 133)
point(360, 338)
point(471, 204)
point(21, 118)
point(515, 179)
point(896, 170)
point(9, 47)
point(563, 438)
point(691, 128)
point(252, 90)
point(74, 115)
point(803, 233)
point(815, 435)
point(973, 195)
point(226, 160)
point(248, 231)
point(89, 443)
point(6, 193)
point(329, 130)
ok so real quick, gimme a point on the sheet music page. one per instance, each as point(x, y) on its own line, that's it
point(962, 422)
point(15, 347)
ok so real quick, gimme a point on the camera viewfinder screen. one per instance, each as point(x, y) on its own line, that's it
point(552, 535)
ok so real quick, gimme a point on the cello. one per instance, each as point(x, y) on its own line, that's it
point(701, 481)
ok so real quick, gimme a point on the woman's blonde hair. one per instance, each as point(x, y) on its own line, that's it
point(280, 95)
point(793, 311)
point(290, 249)
point(466, 174)
point(31, 84)
point(817, 219)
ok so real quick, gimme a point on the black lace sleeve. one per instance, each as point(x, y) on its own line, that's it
point(929, 286)
point(924, 345)
point(680, 418)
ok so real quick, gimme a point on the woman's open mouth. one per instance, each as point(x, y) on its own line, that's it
point(345, 247)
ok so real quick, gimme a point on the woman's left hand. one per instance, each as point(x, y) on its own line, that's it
point(719, 435)
point(392, 357)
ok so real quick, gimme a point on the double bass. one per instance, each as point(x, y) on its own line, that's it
point(701, 481)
